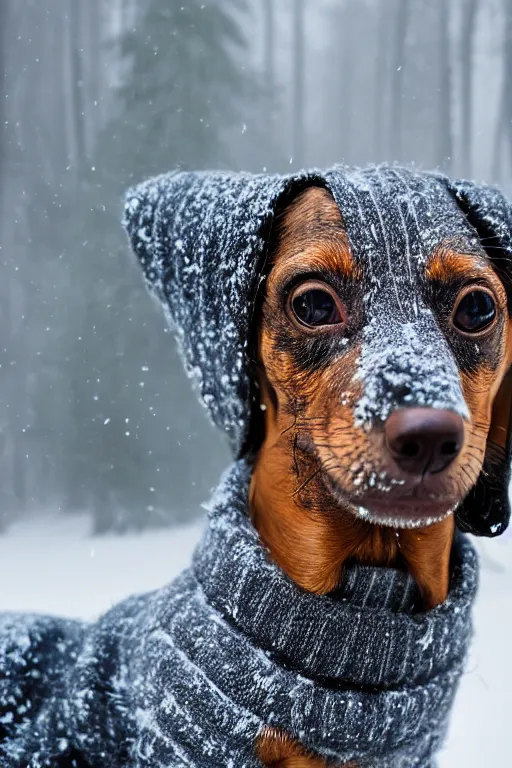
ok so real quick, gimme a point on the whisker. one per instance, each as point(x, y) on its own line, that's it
point(472, 480)
point(324, 466)
point(480, 425)
point(294, 454)
point(475, 457)
point(332, 445)
point(287, 429)
point(307, 481)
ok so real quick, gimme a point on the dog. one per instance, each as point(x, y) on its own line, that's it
point(315, 466)
point(349, 331)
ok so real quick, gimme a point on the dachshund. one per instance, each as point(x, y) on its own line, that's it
point(307, 478)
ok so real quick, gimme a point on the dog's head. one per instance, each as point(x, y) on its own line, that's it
point(385, 343)
point(384, 338)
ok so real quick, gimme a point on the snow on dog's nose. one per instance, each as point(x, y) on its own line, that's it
point(406, 365)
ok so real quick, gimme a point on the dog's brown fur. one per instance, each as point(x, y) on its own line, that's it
point(306, 530)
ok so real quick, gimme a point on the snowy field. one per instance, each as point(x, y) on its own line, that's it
point(55, 566)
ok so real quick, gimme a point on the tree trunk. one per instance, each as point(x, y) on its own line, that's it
point(444, 133)
point(15, 233)
point(507, 79)
point(3, 91)
point(269, 53)
point(497, 154)
point(269, 68)
point(298, 82)
point(395, 144)
point(503, 130)
point(382, 66)
point(467, 44)
point(346, 83)
point(91, 45)
point(4, 12)
point(74, 89)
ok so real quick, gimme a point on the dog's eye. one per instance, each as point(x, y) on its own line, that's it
point(314, 306)
point(475, 311)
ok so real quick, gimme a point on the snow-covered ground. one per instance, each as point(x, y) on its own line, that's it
point(53, 565)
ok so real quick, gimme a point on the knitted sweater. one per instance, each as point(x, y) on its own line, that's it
point(190, 674)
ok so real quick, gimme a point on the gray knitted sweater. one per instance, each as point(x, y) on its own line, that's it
point(190, 674)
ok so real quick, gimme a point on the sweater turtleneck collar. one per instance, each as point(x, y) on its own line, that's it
point(395, 667)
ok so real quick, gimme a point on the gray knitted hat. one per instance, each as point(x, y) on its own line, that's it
point(202, 240)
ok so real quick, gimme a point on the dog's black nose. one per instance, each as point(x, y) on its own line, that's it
point(423, 440)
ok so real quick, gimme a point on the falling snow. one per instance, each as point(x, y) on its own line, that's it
point(195, 670)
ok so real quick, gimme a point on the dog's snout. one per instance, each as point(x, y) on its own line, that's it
point(424, 440)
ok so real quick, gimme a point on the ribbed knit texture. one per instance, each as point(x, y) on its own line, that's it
point(189, 675)
point(202, 239)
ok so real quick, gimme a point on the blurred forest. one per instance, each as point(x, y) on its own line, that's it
point(95, 412)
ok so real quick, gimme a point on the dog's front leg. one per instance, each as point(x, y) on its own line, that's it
point(427, 555)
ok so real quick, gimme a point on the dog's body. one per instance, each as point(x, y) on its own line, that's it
point(309, 531)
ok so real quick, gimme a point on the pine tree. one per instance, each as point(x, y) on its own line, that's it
point(184, 89)
point(133, 448)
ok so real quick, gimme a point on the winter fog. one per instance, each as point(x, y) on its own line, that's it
point(97, 415)
point(105, 454)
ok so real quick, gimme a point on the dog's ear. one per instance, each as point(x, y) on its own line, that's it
point(486, 510)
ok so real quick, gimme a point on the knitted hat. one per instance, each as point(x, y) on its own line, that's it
point(202, 241)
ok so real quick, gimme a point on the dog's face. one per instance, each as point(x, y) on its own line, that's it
point(382, 364)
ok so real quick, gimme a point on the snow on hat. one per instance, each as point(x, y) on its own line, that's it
point(202, 239)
